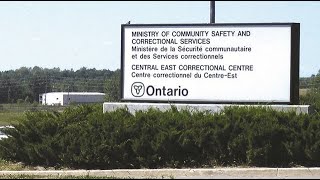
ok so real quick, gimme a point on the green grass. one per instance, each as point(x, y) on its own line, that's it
point(8, 118)
point(14, 107)
point(25, 176)
point(10, 166)
point(12, 113)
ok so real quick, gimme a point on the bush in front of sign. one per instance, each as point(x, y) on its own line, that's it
point(85, 137)
point(32, 140)
point(312, 98)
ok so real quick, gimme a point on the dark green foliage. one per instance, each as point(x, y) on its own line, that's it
point(312, 98)
point(112, 87)
point(33, 140)
point(84, 137)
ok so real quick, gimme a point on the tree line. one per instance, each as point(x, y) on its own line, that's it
point(310, 82)
point(25, 84)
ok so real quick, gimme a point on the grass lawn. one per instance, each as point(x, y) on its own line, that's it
point(10, 166)
point(12, 113)
point(24, 176)
point(7, 118)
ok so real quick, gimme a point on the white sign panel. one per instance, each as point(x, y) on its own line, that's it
point(207, 63)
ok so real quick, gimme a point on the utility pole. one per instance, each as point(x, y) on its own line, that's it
point(212, 12)
point(9, 91)
point(45, 91)
point(68, 95)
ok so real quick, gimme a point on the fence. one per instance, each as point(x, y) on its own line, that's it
point(28, 107)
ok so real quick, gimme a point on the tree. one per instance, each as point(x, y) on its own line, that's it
point(113, 87)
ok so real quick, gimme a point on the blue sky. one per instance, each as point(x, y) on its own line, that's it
point(87, 34)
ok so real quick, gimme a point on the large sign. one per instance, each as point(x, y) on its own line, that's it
point(210, 63)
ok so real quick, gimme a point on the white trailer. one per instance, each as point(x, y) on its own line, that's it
point(65, 98)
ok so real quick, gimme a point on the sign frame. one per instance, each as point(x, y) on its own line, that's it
point(294, 61)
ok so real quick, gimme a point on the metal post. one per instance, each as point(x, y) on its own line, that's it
point(45, 100)
point(68, 95)
point(9, 91)
point(212, 11)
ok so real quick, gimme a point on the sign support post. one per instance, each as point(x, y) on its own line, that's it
point(212, 11)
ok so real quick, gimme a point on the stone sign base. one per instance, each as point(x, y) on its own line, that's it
point(214, 108)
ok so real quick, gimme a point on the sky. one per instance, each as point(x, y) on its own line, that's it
point(71, 34)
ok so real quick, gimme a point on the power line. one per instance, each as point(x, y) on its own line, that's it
point(40, 78)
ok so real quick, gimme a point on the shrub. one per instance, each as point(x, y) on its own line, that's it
point(312, 98)
point(84, 137)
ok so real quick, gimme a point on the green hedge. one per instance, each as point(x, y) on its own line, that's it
point(312, 98)
point(84, 137)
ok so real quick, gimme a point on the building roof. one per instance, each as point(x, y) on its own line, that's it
point(76, 93)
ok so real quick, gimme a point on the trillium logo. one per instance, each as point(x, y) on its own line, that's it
point(137, 89)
